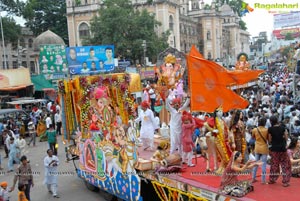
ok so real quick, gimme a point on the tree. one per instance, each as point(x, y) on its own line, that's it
point(120, 24)
point(14, 7)
point(11, 30)
point(289, 36)
point(42, 15)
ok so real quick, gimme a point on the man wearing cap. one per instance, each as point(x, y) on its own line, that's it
point(148, 127)
point(24, 175)
point(176, 122)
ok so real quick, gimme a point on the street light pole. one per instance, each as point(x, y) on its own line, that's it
point(144, 45)
point(3, 43)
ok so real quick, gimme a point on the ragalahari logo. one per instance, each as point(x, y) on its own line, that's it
point(245, 9)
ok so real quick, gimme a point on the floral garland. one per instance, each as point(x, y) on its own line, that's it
point(172, 193)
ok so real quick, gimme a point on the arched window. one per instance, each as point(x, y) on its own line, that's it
point(84, 30)
point(30, 41)
point(22, 43)
point(171, 23)
point(208, 35)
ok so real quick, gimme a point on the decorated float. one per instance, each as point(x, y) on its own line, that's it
point(99, 111)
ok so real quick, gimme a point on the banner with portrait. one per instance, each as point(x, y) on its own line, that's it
point(90, 60)
point(53, 63)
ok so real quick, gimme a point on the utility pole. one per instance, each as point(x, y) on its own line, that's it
point(3, 43)
point(144, 45)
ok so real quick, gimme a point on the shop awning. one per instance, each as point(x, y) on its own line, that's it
point(41, 84)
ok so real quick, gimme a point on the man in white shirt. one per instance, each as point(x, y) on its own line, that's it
point(57, 120)
point(48, 121)
point(152, 97)
point(51, 162)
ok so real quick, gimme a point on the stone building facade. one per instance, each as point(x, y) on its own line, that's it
point(19, 53)
point(216, 34)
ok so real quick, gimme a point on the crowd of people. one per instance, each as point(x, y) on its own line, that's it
point(244, 140)
point(266, 132)
point(45, 122)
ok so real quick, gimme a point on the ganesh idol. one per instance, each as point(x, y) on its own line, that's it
point(170, 72)
point(242, 62)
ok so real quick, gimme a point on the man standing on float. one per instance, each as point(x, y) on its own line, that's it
point(175, 122)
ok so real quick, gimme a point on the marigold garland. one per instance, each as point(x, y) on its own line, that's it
point(220, 139)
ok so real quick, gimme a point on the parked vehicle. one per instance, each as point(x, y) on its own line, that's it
point(6, 114)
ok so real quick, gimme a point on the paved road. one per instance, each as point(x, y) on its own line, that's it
point(70, 187)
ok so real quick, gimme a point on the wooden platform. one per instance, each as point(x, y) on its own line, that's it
point(202, 184)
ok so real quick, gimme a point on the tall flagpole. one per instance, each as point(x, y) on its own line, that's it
point(3, 43)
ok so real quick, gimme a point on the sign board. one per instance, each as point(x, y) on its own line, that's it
point(287, 19)
point(53, 63)
point(282, 33)
point(147, 72)
point(90, 59)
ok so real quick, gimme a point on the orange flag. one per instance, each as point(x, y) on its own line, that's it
point(208, 83)
point(236, 77)
point(242, 77)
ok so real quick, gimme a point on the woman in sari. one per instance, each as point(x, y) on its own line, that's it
point(294, 155)
point(230, 185)
point(41, 130)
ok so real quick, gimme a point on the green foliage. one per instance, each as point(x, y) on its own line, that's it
point(77, 2)
point(207, 7)
point(120, 24)
point(11, 30)
point(14, 7)
point(41, 15)
point(289, 36)
point(243, 25)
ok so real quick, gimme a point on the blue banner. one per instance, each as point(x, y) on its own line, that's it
point(89, 60)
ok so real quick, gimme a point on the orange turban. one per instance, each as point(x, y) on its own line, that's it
point(3, 184)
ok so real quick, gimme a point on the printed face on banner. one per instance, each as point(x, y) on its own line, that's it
point(53, 63)
point(90, 59)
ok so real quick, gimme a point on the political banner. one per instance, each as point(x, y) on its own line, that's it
point(89, 60)
point(53, 63)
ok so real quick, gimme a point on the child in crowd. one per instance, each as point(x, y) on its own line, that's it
point(21, 194)
point(4, 192)
point(187, 138)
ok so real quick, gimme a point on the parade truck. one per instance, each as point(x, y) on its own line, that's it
point(98, 113)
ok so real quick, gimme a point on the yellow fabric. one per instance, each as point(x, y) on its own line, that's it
point(260, 145)
point(172, 193)
point(21, 196)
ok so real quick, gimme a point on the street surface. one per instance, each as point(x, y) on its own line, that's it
point(70, 187)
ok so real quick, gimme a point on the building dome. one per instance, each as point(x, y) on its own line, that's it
point(226, 10)
point(47, 37)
